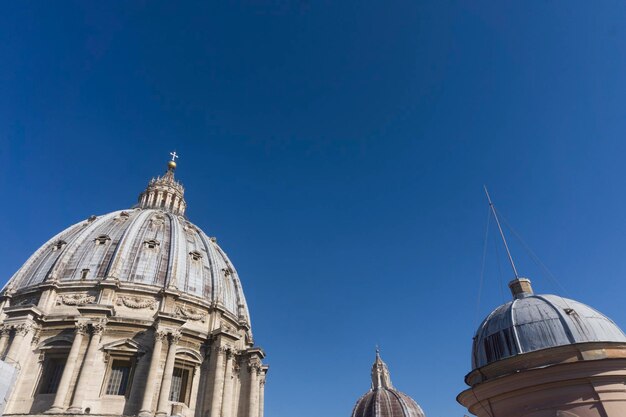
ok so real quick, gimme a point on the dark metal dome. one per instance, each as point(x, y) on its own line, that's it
point(533, 322)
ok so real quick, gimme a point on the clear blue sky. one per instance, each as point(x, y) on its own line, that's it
point(338, 150)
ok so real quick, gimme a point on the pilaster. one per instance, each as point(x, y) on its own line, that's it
point(97, 329)
point(166, 383)
point(155, 361)
point(58, 405)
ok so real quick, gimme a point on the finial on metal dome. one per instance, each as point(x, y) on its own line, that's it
point(506, 246)
point(520, 287)
point(172, 164)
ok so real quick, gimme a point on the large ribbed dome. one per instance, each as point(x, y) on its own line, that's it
point(383, 400)
point(533, 322)
point(151, 245)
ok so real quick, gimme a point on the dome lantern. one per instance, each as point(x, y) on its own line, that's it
point(380, 373)
point(165, 193)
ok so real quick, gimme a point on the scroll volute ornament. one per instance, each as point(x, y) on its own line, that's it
point(97, 326)
point(81, 328)
point(254, 365)
point(22, 329)
point(175, 337)
point(160, 335)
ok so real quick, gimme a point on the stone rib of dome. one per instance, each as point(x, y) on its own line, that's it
point(149, 247)
point(536, 322)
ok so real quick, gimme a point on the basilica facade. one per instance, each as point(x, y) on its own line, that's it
point(135, 312)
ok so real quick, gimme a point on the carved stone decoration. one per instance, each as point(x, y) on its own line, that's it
point(23, 328)
point(160, 335)
point(190, 313)
point(254, 365)
point(36, 337)
point(81, 328)
point(27, 301)
point(224, 349)
point(97, 326)
point(224, 326)
point(9, 290)
point(5, 330)
point(229, 352)
point(76, 299)
point(175, 337)
point(137, 302)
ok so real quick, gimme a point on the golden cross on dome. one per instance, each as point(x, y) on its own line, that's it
point(174, 156)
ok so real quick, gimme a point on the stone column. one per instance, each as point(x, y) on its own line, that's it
point(21, 330)
point(253, 406)
point(262, 396)
point(227, 402)
point(155, 361)
point(97, 328)
point(5, 332)
point(195, 382)
point(70, 365)
point(218, 382)
point(166, 383)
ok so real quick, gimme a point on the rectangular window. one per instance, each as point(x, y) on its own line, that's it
point(53, 370)
point(119, 377)
point(180, 382)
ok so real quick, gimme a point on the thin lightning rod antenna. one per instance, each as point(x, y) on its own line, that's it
point(506, 246)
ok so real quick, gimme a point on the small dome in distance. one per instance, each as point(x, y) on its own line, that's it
point(383, 400)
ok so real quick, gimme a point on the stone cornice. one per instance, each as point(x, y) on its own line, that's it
point(23, 311)
point(169, 320)
point(96, 310)
point(558, 375)
point(546, 357)
point(130, 289)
